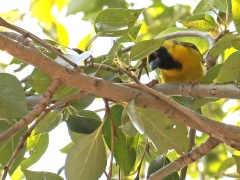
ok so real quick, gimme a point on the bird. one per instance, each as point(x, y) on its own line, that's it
point(179, 62)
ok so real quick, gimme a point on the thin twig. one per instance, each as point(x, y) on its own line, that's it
point(191, 134)
point(38, 40)
point(186, 159)
point(109, 114)
point(141, 161)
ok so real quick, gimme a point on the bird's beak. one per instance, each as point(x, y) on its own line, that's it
point(154, 64)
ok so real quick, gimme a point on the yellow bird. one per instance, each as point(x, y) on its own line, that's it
point(179, 62)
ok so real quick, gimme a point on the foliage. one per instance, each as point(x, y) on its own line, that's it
point(127, 139)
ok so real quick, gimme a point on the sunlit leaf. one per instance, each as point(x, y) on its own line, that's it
point(12, 97)
point(226, 164)
point(200, 25)
point(237, 160)
point(62, 34)
point(159, 163)
point(83, 42)
point(116, 22)
point(144, 48)
point(236, 14)
point(125, 147)
point(203, 22)
point(35, 175)
point(42, 11)
point(36, 147)
point(230, 70)
point(87, 158)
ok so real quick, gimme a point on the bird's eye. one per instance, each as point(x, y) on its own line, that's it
point(155, 54)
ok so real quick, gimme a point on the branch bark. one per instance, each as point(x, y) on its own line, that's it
point(113, 91)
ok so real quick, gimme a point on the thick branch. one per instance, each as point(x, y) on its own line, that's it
point(111, 90)
point(197, 90)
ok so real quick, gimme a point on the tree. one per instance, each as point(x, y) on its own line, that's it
point(141, 126)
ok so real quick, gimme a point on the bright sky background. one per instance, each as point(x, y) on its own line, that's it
point(53, 159)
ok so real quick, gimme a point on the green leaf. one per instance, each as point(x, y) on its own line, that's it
point(152, 151)
point(36, 147)
point(20, 63)
point(144, 48)
point(116, 22)
point(111, 54)
point(135, 117)
point(200, 102)
point(165, 133)
point(230, 70)
point(202, 16)
point(35, 175)
point(159, 163)
point(236, 14)
point(8, 147)
point(76, 6)
point(237, 160)
point(199, 25)
point(208, 5)
point(226, 164)
point(229, 40)
point(87, 158)
point(83, 103)
point(12, 97)
point(131, 35)
point(50, 122)
point(81, 124)
point(211, 75)
point(201, 43)
point(66, 148)
point(203, 22)
point(83, 42)
point(127, 126)
point(125, 147)
point(40, 81)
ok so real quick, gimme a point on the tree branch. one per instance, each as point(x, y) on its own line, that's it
point(186, 159)
point(197, 90)
point(29, 118)
point(116, 92)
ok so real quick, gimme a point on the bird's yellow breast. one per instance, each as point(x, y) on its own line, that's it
point(192, 69)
